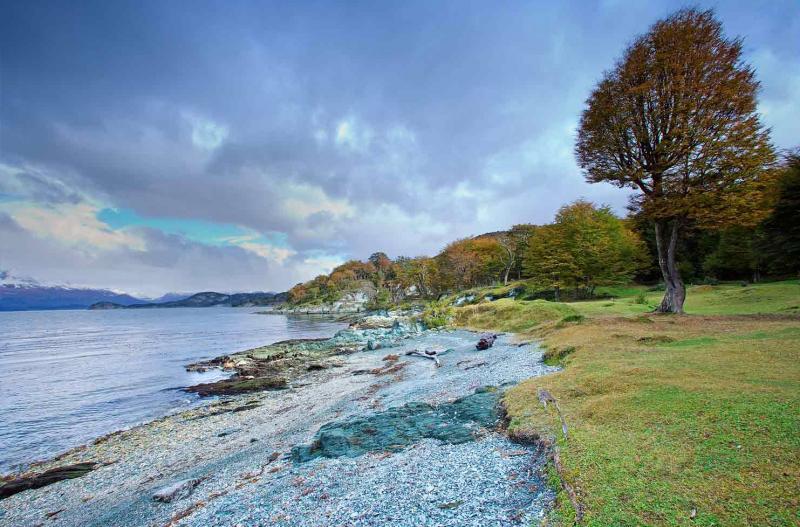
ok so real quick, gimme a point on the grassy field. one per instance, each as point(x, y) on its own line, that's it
point(673, 420)
point(727, 299)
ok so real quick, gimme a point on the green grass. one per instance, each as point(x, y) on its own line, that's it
point(620, 291)
point(668, 414)
point(724, 299)
point(516, 316)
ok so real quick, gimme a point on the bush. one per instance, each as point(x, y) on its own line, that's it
point(641, 298)
point(437, 315)
point(382, 300)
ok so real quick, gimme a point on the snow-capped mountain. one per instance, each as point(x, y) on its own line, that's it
point(26, 294)
point(23, 293)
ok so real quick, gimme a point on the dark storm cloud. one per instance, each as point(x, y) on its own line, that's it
point(424, 120)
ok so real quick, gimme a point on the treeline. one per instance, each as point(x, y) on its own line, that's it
point(770, 249)
point(585, 246)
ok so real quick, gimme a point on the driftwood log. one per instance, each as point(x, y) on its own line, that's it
point(54, 475)
point(544, 398)
point(486, 341)
point(573, 496)
point(429, 354)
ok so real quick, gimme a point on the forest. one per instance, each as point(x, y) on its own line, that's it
point(586, 246)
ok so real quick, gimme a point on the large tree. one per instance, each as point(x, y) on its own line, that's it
point(586, 246)
point(676, 119)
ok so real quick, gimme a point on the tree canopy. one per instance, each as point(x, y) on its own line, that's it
point(586, 245)
point(676, 119)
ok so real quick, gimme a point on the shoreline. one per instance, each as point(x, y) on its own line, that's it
point(201, 400)
point(237, 434)
point(160, 385)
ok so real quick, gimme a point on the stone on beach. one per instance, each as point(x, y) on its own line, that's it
point(176, 491)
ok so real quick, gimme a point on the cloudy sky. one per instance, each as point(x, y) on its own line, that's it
point(153, 146)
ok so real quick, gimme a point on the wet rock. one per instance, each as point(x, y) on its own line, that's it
point(238, 386)
point(396, 428)
point(276, 365)
point(45, 478)
point(176, 491)
point(373, 322)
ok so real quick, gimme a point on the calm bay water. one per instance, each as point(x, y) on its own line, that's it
point(67, 377)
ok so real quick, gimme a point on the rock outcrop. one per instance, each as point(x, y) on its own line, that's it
point(275, 366)
point(176, 491)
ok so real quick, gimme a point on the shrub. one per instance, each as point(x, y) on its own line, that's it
point(641, 298)
point(382, 300)
point(437, 315)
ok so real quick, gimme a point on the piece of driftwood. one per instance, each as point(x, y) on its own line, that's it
point(573, 496)
point(428, 354)
point(54, 475)
point(476, 365)
point(547, 397)
point(486, 341)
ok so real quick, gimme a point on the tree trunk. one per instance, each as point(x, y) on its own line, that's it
point(510, 265)
point(666, 243)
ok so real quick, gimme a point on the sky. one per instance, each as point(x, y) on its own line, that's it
point(151, 146)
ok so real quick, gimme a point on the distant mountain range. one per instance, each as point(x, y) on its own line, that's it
point(26, 294)
point(206, 299)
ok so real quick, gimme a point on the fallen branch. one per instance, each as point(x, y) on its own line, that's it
point(486, 341)
point(476, 365)
point(573, 496)
point(429, 354)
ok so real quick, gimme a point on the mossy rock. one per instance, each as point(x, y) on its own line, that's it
point(397, 428)
point(237, 386)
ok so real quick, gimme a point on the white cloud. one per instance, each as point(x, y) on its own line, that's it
point(301, 200)
point(253, 243)
point(353, 135)
point(206, 134)
point(73, 225)
point(321, 264)
point(268, 252)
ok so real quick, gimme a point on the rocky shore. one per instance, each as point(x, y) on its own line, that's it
point(352, 430)
point(350, 303)
point(276, 366)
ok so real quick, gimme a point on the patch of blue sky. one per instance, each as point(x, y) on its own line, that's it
point(202, 231)
point(8, 197)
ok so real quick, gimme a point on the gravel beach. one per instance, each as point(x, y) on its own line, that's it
point(230, 462)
